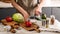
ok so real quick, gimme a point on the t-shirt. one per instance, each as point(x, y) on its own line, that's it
point(28, 5)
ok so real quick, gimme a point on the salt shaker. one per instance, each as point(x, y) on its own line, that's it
point(47, 22)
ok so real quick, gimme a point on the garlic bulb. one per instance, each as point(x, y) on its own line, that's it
point(7, 28)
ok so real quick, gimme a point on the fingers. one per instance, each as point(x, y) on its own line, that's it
point(37, 13)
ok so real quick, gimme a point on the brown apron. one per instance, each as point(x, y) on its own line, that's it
point(29, 8)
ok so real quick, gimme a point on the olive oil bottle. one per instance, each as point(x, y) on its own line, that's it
point(43, 20)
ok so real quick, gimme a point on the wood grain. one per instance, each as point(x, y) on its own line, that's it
point(33, 27)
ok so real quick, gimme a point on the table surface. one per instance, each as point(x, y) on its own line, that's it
point(23, 31)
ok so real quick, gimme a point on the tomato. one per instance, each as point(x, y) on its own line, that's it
point(28, 23)
point(8, 19)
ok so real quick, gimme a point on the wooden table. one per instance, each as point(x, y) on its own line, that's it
point(23, 31)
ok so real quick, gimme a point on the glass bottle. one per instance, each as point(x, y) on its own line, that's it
point(44, 20)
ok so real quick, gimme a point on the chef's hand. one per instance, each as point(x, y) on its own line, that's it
point(38, 10)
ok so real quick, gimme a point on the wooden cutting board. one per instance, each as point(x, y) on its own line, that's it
point(13, 24)
point(33, 27)
point(4, 22)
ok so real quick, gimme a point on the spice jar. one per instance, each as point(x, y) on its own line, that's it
point(52, 19)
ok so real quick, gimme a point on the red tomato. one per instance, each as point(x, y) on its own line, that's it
point(28, 23)
point(8, 19)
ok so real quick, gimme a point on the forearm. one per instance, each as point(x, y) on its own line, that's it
point(6, 1)
point(20, 9)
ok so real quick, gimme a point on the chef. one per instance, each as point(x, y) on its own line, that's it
point(27, 7)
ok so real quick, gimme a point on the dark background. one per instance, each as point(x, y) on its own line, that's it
point(4, 12)
point(47, 10)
